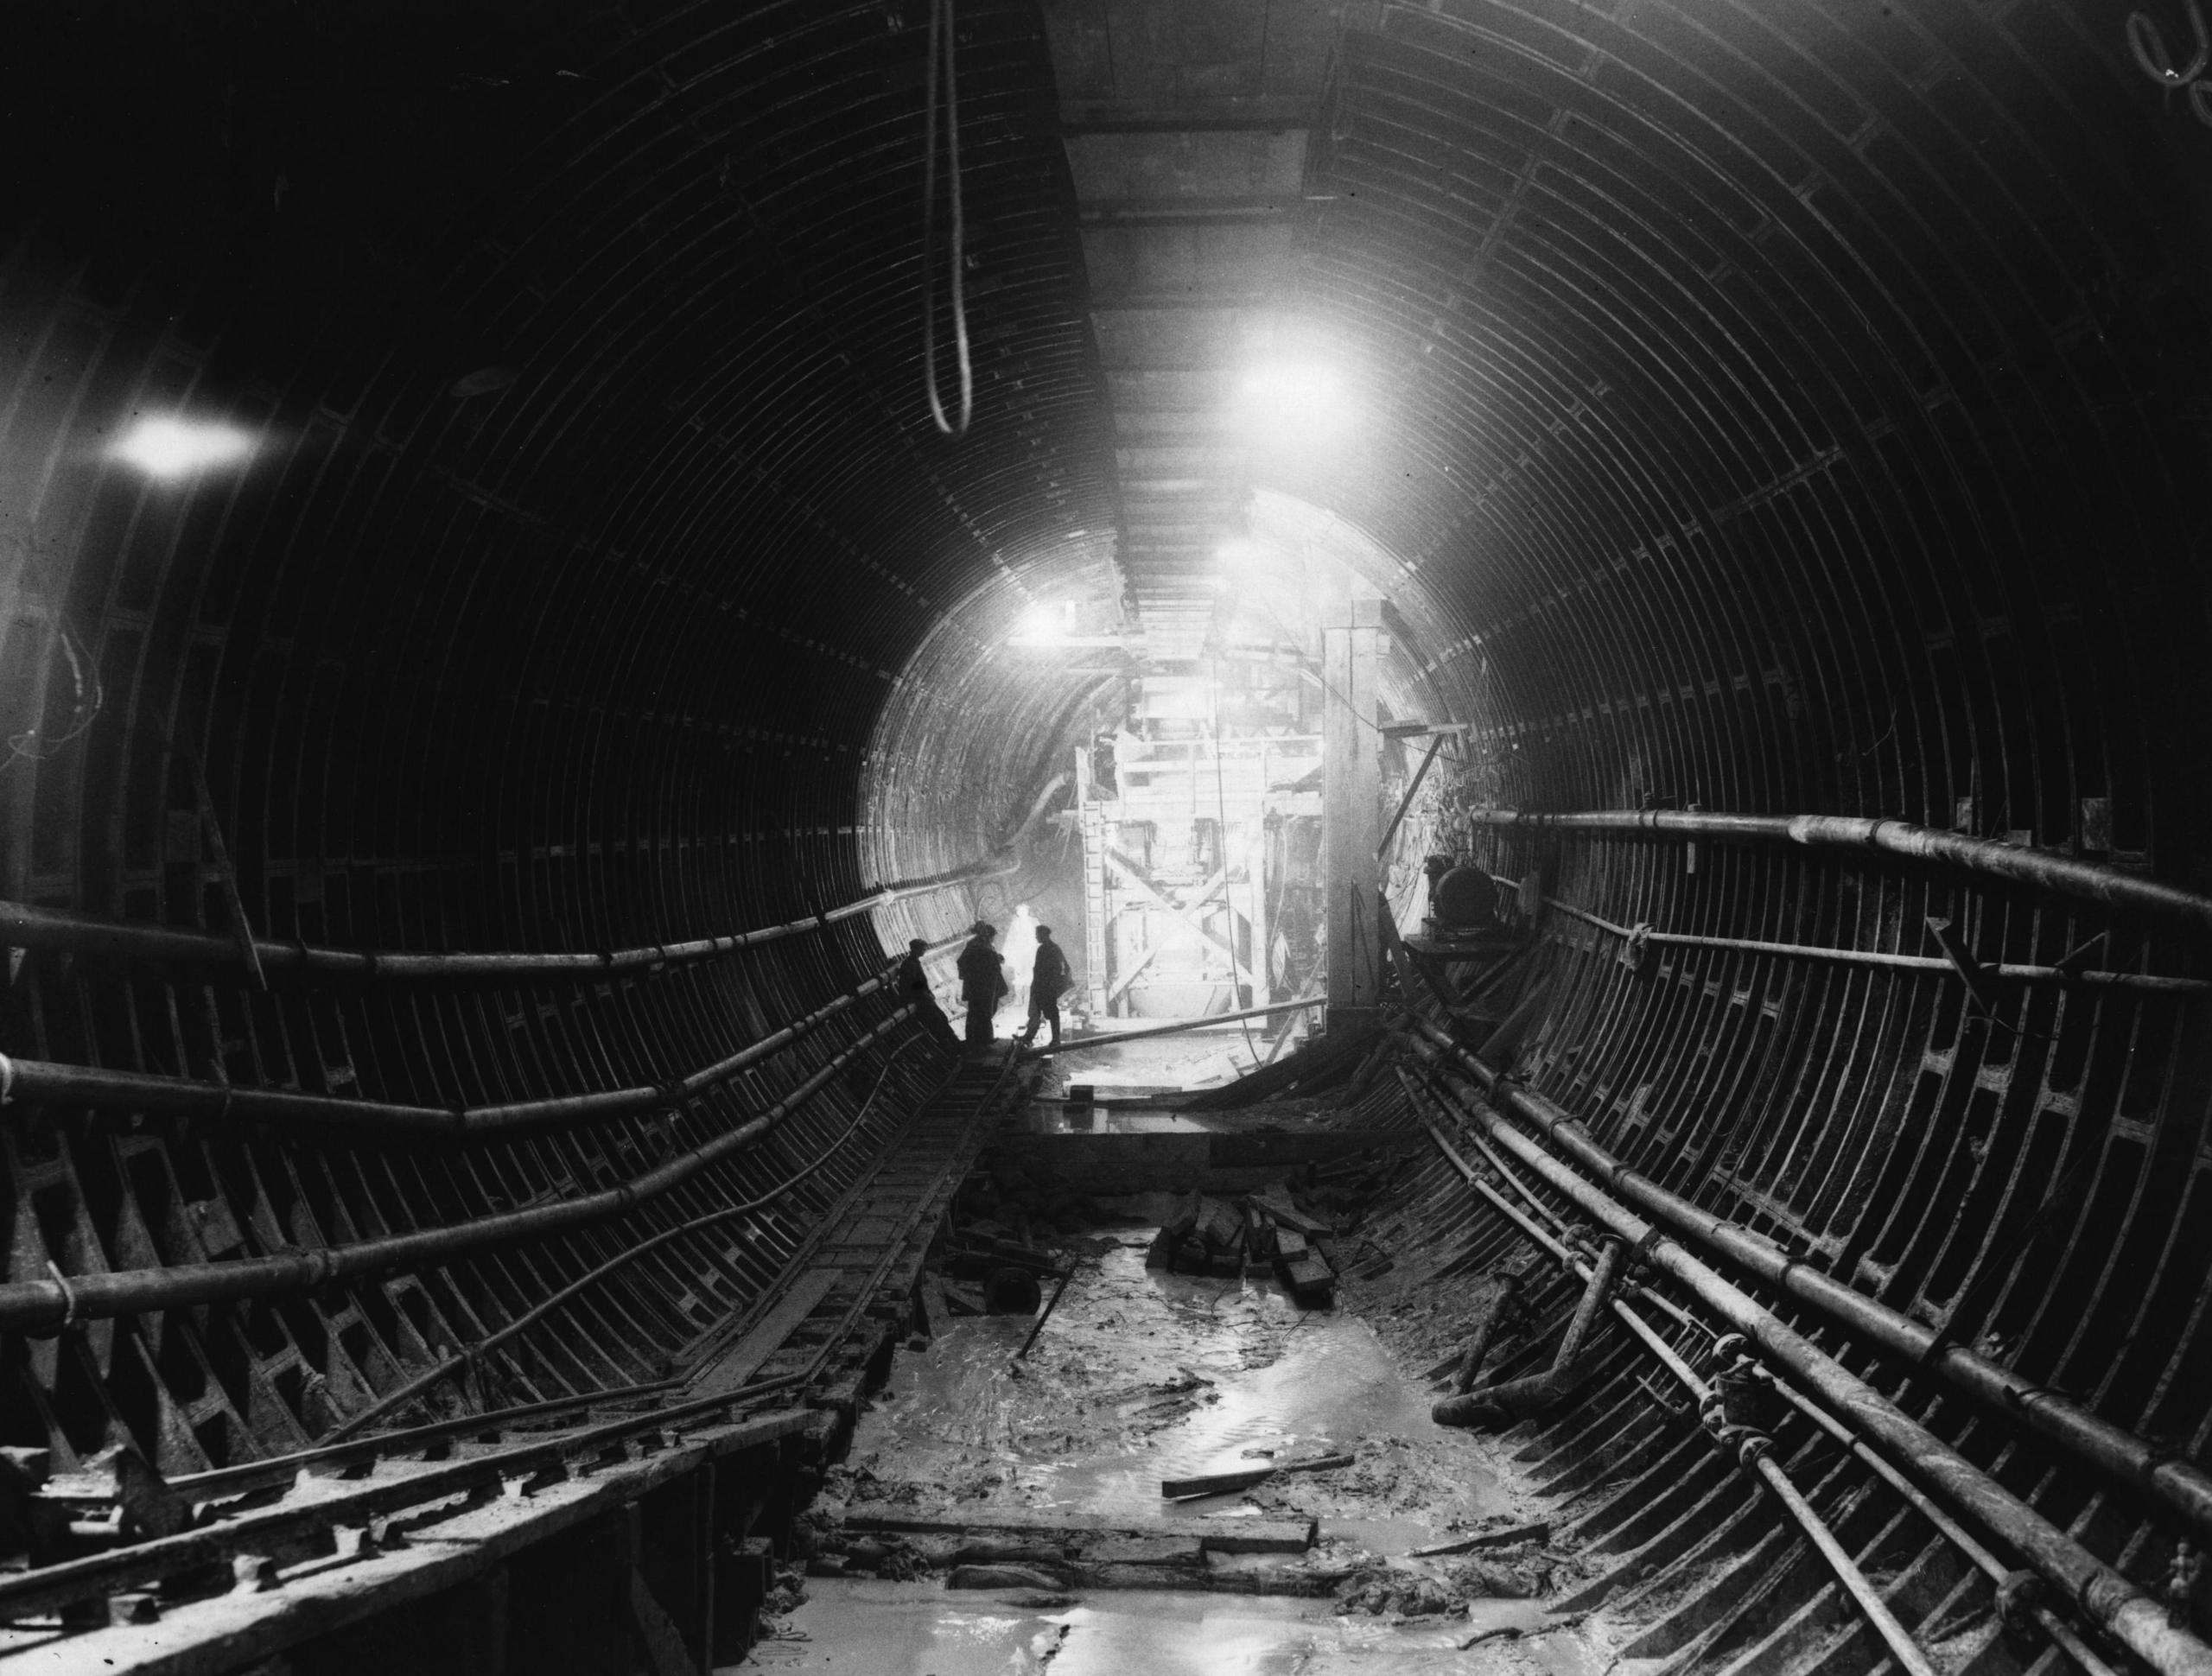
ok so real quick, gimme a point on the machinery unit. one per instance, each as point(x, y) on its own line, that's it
point(1201, 826)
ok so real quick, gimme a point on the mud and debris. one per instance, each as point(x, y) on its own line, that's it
point(1032, 1490)
point(1261, 1231)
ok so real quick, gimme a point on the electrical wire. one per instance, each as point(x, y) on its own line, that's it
point(2150, 49)
point(941, 63)
point(89, 699)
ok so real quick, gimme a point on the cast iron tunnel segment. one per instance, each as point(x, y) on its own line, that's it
point(502, 449)
point(853, 1288)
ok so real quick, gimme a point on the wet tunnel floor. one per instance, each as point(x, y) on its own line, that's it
point(920, 1629)
point(1141, 1375)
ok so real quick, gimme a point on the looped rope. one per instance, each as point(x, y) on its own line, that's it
point(2150, 49)
point(941, 62)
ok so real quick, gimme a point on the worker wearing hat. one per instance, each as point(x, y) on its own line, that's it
point(915, 989)
point(982, 982)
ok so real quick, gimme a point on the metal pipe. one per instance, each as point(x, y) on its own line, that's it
point(1541, 1237)
point(1045, 1314)
point(22, 926)
point(2059, 1630)
point(1413, 790)
point(2087, 880)
point(2104, 1596)
point(90, 1087)
point(1121, 1036)
point(44, 1307)
point(1497, 1405)
point(623, 1258)
point(2087, 979)
point(1995, 1568)
point(2182, 1486)
point(1547, 1239)
point(1901, 1643)
point(1878, 1611)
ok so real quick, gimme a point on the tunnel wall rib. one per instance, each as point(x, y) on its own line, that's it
point(1780, 407)
point(1795, 403)
point(594, 516)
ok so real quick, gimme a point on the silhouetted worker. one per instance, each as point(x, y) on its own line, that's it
point(1049, 979)
point(982, 981)
point(914, 985)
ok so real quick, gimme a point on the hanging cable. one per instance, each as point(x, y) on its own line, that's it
point(2150, 49)
point(89, 699)
point(941, 62)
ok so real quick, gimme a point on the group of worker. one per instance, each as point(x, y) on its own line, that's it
point(983, 985)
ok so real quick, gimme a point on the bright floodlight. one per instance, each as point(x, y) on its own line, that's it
point(1040, 622)
point(1292, 381)
point(177, 448)
point(1295, 400)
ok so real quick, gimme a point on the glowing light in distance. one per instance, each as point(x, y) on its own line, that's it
point(1295, 400)
point(1292, 381)
point(1044, 623)
point(1238, 549)
point(172, 448)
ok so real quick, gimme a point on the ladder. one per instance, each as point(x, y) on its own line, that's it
point(1095, 906)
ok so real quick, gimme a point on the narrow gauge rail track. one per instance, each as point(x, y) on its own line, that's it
point(274, 1553)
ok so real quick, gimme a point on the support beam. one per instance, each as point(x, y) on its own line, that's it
point(1207, 892)
point(1255, 885)
point(2063, 875)
point(1412, 791)
point(1144, 888)
point(1351, 815)
point(1174, 1028)
point(1124, 980)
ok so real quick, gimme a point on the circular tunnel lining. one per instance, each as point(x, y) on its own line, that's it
point(1778, 409)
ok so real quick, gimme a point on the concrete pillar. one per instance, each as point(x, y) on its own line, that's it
point(1351, 811)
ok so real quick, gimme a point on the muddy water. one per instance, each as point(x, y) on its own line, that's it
point(1199, 1060)
point(1141, 1375)
point(919, 1629)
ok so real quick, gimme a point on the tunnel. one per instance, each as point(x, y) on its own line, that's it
point(543, 548)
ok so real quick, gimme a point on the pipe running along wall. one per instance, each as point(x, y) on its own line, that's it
point(25, 927)
point(2102, 1593)
point(2186, 1487)
point(62, 1301)
point(496, 457)
point(78, 1088)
